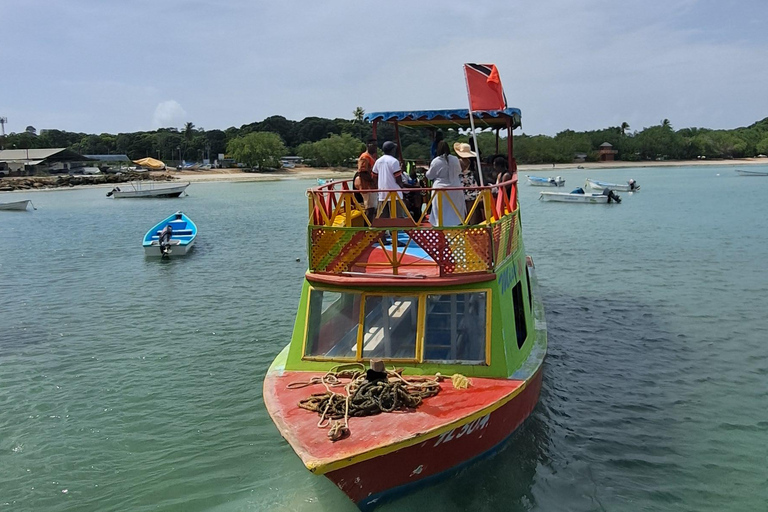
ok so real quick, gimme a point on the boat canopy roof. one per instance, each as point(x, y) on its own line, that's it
point(458, 118)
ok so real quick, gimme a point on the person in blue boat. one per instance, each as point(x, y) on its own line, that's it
point(388, 173)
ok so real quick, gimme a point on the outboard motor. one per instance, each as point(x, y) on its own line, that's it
point(164, 239)
point(558, 181)
point(116, 189)
point(633, 185)
point(612, 196)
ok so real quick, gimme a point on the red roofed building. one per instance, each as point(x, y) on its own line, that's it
point(606, 152)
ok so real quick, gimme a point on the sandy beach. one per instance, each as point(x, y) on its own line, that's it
point(237, 175)
point(341, 173)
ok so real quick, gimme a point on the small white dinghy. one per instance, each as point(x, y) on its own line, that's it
point(565, 197)
point(579, 196)
point(536, 181)
point(148, 189)
point(630, 186)
point(17, 205)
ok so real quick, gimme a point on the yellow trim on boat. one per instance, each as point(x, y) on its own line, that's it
point(420, 327)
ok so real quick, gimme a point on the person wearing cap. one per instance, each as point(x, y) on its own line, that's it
point(448, 207)
point(389, 175)
point(364, 179)
point(468, 179)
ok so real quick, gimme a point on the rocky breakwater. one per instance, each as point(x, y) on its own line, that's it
point(66, 180)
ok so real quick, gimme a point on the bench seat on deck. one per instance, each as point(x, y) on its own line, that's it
point(179, 232)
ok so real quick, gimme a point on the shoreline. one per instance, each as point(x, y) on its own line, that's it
point(237, 175)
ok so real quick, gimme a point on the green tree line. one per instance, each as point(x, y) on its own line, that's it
point(337, 142)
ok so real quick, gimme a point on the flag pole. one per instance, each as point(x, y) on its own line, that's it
point(472, 124)
point(477, 149)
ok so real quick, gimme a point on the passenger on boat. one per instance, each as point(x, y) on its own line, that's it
point(438, 136)
point(389, 175)
point(448, 208)
point(415, 200)
point(468, 179)
point(363, 179)
point(501, 170)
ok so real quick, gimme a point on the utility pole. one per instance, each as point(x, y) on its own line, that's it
point(3, 120)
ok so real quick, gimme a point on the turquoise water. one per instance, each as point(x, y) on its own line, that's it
point(135, 384)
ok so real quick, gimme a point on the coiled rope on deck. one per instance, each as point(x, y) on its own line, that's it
point(366, 398)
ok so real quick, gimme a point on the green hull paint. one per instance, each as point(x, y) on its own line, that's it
point(506, 359)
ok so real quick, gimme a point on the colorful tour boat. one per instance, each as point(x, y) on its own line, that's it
point(427, 301)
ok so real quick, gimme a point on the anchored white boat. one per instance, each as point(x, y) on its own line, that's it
point(148, 189)
point(536, 181)
point(566, 197)
point(17, 205)
point(742, 172)
point(630, 186)
point(579, 196)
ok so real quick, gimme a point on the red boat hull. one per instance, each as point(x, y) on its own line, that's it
point(372, 481)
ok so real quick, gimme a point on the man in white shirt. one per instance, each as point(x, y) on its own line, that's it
point(388, 172)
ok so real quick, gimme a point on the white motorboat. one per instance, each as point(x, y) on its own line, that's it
point(630, 186)
point(565, 197)
point(17, 205)
point(148, 189)
point(742, 172)
point(536, 181)
point(579, 196)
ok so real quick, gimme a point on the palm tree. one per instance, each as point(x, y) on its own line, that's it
point(189, 132)
point(666, 124)
point(624, 127)
point(358, 114)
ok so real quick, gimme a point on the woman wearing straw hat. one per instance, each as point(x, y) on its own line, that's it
point(466, 158)
point(448, 208)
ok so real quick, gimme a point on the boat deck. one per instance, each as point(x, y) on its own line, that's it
point(369, 435)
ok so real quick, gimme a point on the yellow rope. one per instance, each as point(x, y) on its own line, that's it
point(458, 380)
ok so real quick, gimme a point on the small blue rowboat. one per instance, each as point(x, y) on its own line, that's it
point(173, 236)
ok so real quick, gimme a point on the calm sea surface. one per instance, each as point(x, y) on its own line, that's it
point(135, 384)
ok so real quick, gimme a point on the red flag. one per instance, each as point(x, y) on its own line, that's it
point(484, 87)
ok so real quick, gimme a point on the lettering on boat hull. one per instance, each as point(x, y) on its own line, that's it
point(469, 428)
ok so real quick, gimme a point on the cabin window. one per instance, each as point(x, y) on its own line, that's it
point(389, 329)
point(455, 328)
point(332, 324)
point(519, 305)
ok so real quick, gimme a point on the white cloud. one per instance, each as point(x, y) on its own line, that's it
point(168, 113)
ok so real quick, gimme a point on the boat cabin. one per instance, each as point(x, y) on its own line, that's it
point(399, 289)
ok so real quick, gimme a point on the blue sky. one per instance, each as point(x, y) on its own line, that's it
point(102, 66)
